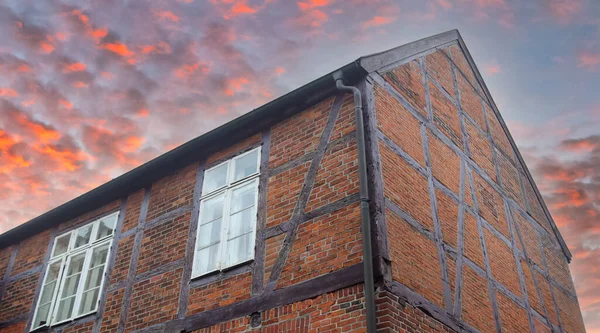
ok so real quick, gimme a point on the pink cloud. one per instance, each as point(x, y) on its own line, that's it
point(588, 60)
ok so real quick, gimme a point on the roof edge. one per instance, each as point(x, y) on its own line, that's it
point(488, 95)
point(187, 153)
point(376, 61)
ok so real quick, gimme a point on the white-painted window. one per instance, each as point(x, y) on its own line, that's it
point(227, 221)
point(75, 273)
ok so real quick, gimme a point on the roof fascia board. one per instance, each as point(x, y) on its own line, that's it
point(377, 61)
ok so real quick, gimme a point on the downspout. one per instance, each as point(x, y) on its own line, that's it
point(369, 287)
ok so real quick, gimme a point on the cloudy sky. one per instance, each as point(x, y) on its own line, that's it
point(92, 88)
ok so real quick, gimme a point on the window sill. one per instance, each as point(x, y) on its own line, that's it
point(84, 318)
point(210, 277)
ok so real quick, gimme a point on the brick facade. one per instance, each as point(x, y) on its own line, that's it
point(469, 244)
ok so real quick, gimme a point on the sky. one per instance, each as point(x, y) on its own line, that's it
point(90, 89)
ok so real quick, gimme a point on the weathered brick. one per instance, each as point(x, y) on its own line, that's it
point(529, 236)
point(172, 192)
point(540, 327)
point(473, 249)
point(399, 125)
point(5, 255)
point(282, 193)
point(160, 291)
point(323, 245)
point(112, 311)
point(299, 134)
point(445, 164)
point(509, 177)
point(534, 299)
point(439, 68)
point(31, 252)
point(470, 102)
point(79, 328)
point(132, 212)
point(481, 151)
point(344, 124)
point(491, 206)
point(448, 217)
point(273, 246)
point(476, 305)
point(414, 260)
point(458, 57)
point(445, 115)
point(18, 297)
point(164, 243)
point(544, 286)
point(570, 315)
point(407, 79)
point(513, 317)
point(404, 186)
point(122, 259)
point(502, 261)
point(558, 266)
point(498, 134)
point(220, 293)
point(15, 328)
point(535, 206)
point(337, 176)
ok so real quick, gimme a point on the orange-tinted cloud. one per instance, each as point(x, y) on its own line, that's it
point(581, 145)
point(492, 68)
point(235, 84)
point(160, 48)
point(118, 48)
point(588, 60)
point(74, 67)
point(8, 92)
point(185, 71)
point(167, 15)
point(66, 159)
point(377, 21)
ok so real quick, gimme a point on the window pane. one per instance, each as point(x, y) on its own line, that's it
point(65, 308)
point(243, 197)
point(206, 259)
point(53, 271)
point(41, 318)
point(83, 235)
point(89, 301)
point(215, 178)
point(99, 256)
point(62, 245)
point(47, 292)
point(239, 249)
point(209, 234)
point(246, 165)
point(212, 209)
point(106, 226)
point(94, 278)
point(71, 284)
point(76, 264)
point(241, 222)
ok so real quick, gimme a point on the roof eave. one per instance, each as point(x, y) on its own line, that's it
point(193, 150)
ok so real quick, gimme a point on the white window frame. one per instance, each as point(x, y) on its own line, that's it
point(226, 191)
point(65, 260)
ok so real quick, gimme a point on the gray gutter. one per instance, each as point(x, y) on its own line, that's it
point(223, 136)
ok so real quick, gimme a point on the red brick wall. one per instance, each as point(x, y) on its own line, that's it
point(339, 311)
point(149, 263)
point(435, 120)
